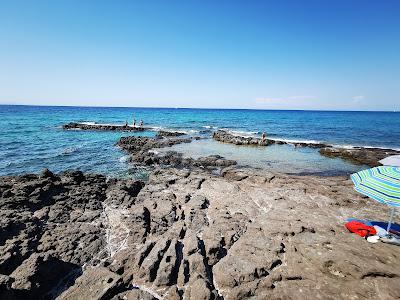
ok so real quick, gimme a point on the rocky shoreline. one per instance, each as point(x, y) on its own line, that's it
point(197, 229)
point(188, 234)
point(356, 155)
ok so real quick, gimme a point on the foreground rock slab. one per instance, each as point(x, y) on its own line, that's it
point(187, 234)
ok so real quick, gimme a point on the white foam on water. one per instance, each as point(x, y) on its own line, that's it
point(295, 141)
point(124, 158)
point(160, 128)
point(103, 124)
point(209, 127)
point(242, 133)
point(70, 150)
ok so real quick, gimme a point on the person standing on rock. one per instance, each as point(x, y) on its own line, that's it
point(141, 123)
point(134, 122)
point(263, 138)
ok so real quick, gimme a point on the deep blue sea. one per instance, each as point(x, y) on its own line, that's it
point(32, 139)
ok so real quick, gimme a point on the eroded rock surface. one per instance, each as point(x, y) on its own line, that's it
point(187, 234)
point(53, 225)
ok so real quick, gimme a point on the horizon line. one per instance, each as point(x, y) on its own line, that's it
point(203, 108)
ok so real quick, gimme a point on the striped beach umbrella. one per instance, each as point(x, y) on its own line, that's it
point(381, 184)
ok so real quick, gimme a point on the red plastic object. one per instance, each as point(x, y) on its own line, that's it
point(360, 228)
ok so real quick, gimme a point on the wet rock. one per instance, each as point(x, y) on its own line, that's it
point(359, 155)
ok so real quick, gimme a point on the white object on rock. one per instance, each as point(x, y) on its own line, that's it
point(373, 239)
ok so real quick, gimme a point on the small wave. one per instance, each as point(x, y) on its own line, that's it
point(124, 158)
point(159, 128)
point(293, 141)
point(103, 124)
point(70, 150)
point(243, 133)
point(191, 131)
point(156, 128)
point(210, 127)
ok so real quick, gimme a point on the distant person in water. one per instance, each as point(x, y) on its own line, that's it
point(134, 123)
point(126, 123)
point(141, 123)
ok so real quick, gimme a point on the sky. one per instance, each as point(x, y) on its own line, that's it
point(328, 55)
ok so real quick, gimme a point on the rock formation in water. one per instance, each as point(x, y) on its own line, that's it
point(226, 137)
point(357, 155)
point(102, 127)
point(143, 153)
point(163, 133)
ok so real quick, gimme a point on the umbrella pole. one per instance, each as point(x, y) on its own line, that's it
point(390, 220)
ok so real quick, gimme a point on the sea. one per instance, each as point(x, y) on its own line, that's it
point(32, 137)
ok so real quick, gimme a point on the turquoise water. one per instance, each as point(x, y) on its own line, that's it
point(32, 139)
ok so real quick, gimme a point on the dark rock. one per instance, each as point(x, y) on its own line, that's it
point(359, 155)
point(163, 133)
point(133, 144)
point(226, 137)
point(46, 173)
point(187, 234)
point(38, 275)
point(102, 127)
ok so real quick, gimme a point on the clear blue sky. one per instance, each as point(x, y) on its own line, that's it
point(228, 54)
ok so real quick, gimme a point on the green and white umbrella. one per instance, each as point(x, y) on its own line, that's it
point(381, 184)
